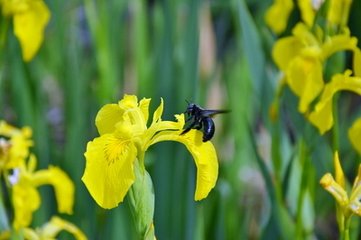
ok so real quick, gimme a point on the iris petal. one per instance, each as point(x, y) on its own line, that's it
point(108, 116)
point(109, 169)
point(354, 134)
point(29, 27)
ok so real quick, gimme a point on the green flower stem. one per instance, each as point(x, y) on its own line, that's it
point(345, 233)
point(141, 200)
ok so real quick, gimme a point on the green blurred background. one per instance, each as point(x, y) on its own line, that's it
point(215, 53)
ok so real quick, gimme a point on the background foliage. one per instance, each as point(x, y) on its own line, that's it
point(215, 53)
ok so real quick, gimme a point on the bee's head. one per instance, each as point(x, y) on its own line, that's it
point(191, 108)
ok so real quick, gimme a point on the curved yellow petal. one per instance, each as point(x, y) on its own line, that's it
point(63, 186)
point(338, 43)
point(338, 12)
point(277, 15)
point(304, 76)
point(26, 200)
point(29, 27)
point(108, 116)
point(128, 102)
point(204, 155)
point(354, 134)
point(322, 116)
point(339, 175)
point(109, 169)
point(56, 225)
point(284, 50)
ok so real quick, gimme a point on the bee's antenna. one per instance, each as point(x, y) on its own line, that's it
point(187, 101)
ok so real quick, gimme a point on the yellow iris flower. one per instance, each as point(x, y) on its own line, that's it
point(347, 204)
point(30, 18)
point(301, 58)
point(124, 138)
point(14, 145)
point(322, 116)
point(25, 197)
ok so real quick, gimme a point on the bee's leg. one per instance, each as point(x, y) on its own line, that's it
point(192, 125)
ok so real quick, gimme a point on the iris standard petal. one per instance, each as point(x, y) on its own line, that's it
point(108, 116)
point(307, 11)
point(109, 169)
point(29, 27)
point(144, 108)
point(204, 155)
point(157, 115)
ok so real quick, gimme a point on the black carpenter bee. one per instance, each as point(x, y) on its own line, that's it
point(199, 118)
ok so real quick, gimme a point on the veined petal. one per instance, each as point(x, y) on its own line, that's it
point(203, 154)
point(109, 169)
point(29, 27)
point(328, 183)
point(304, 76)
point(63, 186)
point(277, 15)
point(108, 116)
point(354, 134)
point(322, 116)
point(25, 200)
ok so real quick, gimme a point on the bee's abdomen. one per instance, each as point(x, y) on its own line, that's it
point(208, 129)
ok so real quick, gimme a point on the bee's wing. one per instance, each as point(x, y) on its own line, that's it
point(211, 113)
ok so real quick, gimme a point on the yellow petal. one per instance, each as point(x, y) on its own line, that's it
point(284, 50)
point(56, 225)
point(322, 116)
point(128, 102)
point(29, 27)
point(339, 175)
point(109, 169)
point(338, 12)
point(157, 115)
point(307, 11)
point(25, 200)
point(204, 155)
point(354, 134)
point(304, 76)
point(108, 116)
point(144, 108)
point(63, 187)
point(277, 15)
point(338, 43)
point(328, 183)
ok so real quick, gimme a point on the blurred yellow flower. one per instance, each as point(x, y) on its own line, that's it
point(354, 134)
point(52, 228)
point(348, 204)
point(322, 116)
point(14, 145)
point(277, 15)
point(301, 58)
point(30, 18)
point(25, 196)
point(124, 139)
